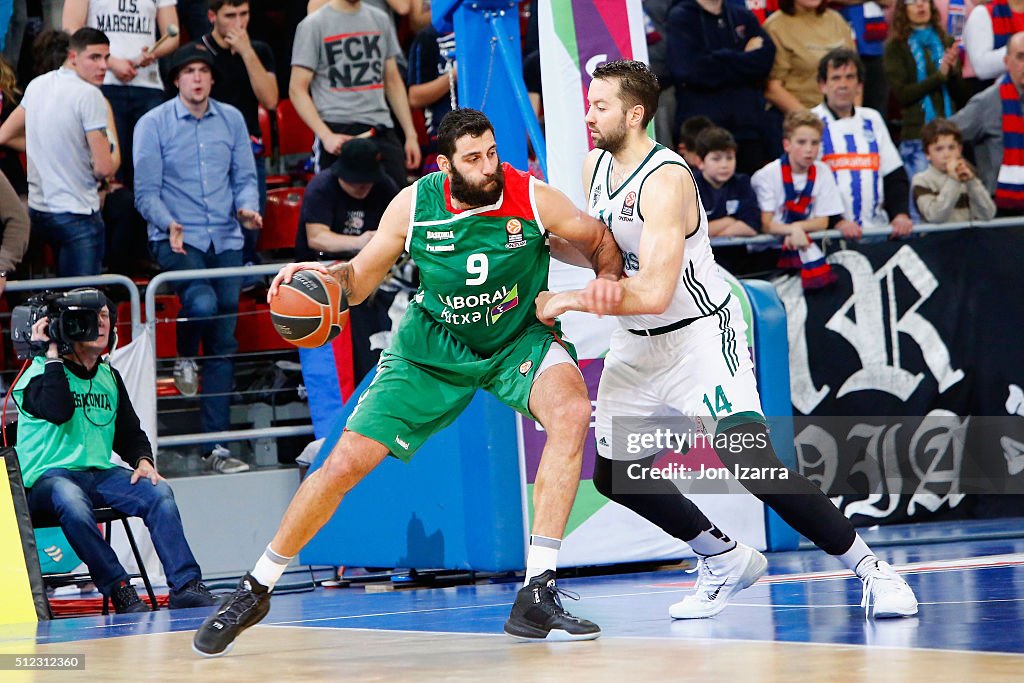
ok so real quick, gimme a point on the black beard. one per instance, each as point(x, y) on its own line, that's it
point(474, 195)
point(612, 143)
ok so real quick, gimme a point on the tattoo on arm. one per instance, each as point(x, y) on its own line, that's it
point(342, 272)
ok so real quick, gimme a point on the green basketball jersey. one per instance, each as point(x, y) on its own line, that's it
point(481, 269)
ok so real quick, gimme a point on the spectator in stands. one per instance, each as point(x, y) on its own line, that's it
point(74, 411)
point(688, 132)
point(344, 76)
point(988, 29)
point(71, 151)
point(656, 26)
point(433, 77)
point(923, 67)
point(340, 212)
point(981, 122)
point(796, 193)
point(16, 33)
point(197, 189)
point(132, 83)
point(720, 57)
point(867, 20)
point(14, 229)
point(49, 51)
point(246, 81)
point(856, 145)
point(803, 31)
point(10, 163)
point(949, 190)
point(726, 195)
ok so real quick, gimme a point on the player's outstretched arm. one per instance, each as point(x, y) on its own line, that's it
point(668, 206)
point(360, 276)
point(589, 236)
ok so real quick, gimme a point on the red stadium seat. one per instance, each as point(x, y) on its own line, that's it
point(254, 330)
point(167, 308)
point(294, 136)
point(282, 218)
point(265, 132)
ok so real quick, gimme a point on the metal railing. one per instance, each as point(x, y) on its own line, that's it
point(172, 276)
point(137, 328)
point(919, 229)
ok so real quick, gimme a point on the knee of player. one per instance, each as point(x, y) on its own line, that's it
point(339, 469)
point(569, 415)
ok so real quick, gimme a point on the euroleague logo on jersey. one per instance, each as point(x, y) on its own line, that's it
point(627, 205)
point(514, 229)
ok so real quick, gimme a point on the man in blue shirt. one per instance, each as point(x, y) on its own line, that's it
point(195, 184)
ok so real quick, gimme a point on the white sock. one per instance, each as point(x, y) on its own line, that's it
point(711, 542)
point(269, 568)
point(542, 556)
point(855, 557)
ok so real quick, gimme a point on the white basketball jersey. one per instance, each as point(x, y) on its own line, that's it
point(700, 289)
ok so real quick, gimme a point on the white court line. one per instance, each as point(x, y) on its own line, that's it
point(986, 562)
point(671, 639)
point(968, 564)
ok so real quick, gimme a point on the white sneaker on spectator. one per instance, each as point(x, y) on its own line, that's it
point(186, 376)
point(886, 594)
point(220, 460)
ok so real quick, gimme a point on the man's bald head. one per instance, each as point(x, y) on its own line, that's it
point(1014, 59)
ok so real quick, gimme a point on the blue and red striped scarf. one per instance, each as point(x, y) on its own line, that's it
point(797, 206)
point(1005, 22)
point(815, 272)
point(1010, 185)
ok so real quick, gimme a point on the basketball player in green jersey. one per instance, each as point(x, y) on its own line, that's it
point(676, 353)
point(478, 232)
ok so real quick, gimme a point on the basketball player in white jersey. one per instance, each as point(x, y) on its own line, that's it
point(680, 350)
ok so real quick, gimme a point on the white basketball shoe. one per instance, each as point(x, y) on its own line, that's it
point(719, 578)
point(886, 594)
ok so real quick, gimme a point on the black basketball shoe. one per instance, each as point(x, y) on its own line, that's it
point(538, 614)
point(244, 608)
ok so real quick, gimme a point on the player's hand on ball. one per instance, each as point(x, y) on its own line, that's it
point(286, 273)
point(601, 296)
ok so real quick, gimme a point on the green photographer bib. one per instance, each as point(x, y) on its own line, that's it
point(83, 442)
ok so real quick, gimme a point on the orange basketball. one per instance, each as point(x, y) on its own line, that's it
point(310, 310)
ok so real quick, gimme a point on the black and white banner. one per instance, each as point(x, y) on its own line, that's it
point(907, 376)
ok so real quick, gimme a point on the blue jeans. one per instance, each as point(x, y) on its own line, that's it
point(129, 103)
point(70, 496)
point(214, 306)
point(78, 240)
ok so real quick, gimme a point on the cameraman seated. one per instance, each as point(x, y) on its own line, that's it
point(74, 410)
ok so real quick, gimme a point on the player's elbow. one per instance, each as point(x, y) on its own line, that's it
point(658, 302)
